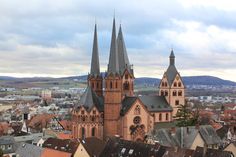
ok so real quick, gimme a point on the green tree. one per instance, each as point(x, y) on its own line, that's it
point(1, 153)
point(185, 117)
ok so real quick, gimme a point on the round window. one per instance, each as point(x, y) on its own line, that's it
point(137, 120)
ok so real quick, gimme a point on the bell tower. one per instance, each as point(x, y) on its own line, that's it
point(95, 77)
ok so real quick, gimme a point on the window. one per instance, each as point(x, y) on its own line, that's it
point(94, 111)
point(167, 116)
point(175, 84)
point(165, 84)
point(83, 133)
point(137, 120)
point(82, 112)
point(174, 93)
point(137, 110)
point(92, 85)
point(179, 84)
point(97, 85)
point(160, 117)
point(162, 84)
point(110, 85)
point(93, 118)
point(126, 76)
point(83, 118)
point(126, 86)
point(162, 93)
point(166, 93)
point(180, 93)
point(116, 84)
point(93, 131)
point(176, 102)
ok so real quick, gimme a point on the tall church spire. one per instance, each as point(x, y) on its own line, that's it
point(172, 58)
point(113, 66)
point(122, 53)
point(95, 68)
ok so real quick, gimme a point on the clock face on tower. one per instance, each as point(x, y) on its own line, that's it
point(137, 120)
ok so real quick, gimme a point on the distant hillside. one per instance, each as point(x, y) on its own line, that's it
point(80, 81)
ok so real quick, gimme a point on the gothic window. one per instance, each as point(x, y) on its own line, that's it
point(167, 116)
point(162, 93)
point(175, 84)
point(174, 93)
point(165, 84)
point(110, 85)
point(179, 84)
point(116, 84)
point(93, 131)
point(94, 111)
point(176, 102)
point(137, 120)
point(166, 93)
point(160, 117)
point(92, 85)
point(126, 86)
point(83, 133)
point(162, 84)
point(180, 93)
point(126, 76)
point(137, 110)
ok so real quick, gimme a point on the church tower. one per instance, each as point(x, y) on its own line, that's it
point(118, 83)
point(95, 78)
point(172, 86)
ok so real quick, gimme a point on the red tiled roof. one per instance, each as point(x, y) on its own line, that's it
point(54, 153)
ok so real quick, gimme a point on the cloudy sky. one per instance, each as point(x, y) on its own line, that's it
point(54, 37)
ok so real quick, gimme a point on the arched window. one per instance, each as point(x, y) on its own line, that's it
point(126, 86)
point(126, 76)
point(137, 110)
point(176, 102)
point(162, 93)
point(175, 84)
point(92, 85)
point(179, 84)
point(180, 93)
point(165, 84)
point(174, 93)
point(160, 117)
point(83, 133)
point(166, 93)
point(116, 84)
point(93, 131)
point(110, 85)
point(167, 116)
point(162, 84)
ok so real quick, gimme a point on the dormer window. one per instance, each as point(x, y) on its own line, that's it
point(175, 84)
point(179, 84)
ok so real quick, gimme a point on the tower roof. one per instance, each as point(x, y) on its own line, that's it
point(171, 71)
point(95, 67)
point(122, 53)
point(90, 99)
point(113, 66)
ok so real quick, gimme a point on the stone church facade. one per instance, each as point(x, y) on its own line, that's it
point(109, 107)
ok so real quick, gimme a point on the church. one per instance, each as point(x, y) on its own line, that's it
point(109, 106)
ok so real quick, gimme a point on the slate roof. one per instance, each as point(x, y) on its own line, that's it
point(8, 140)
point(113, 65)
point(199, 152)
point(184, 136)
point(93, 145)
point(209, 135)
point(155, 103)
point(171, 71)
point(116, 147)
point(222, 132)
point(95, 67)
point(122, 53)
point(67, 145)
point(90, 99)
point(152, 103)
point(29, 150)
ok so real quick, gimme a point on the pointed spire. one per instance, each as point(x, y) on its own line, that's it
point(95, 68)
point(113, 66)
point(172, 57)
point(122, 53)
